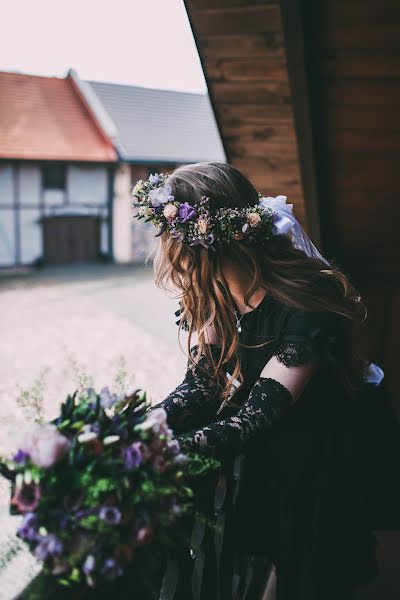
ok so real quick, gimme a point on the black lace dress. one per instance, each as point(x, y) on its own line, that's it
point(294, 487)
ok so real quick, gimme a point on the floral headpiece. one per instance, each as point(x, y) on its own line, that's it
point(199, 223)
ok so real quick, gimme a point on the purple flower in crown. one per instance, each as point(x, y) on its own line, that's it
point(155, 179)
point(161, 195)
point(205, 242)
point(177, 235)
point(186, 212)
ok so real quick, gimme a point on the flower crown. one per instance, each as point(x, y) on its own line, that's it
point(199, 223)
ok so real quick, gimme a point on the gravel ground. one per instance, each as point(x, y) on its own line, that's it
point(94, 325)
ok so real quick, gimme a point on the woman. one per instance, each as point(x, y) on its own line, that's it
point(272, 389)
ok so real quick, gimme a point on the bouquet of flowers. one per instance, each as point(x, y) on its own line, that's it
point(100, 488)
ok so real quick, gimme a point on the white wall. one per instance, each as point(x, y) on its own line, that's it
point(7, 231)
point(122, 215)
point(87, 184)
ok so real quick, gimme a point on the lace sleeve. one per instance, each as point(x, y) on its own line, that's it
point(267, 402)
point(194, 402)
point(307, 336)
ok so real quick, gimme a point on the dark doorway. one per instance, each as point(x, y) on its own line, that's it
point(71, 239)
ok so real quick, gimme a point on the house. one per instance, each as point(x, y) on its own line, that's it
point(70, 152)
point(153, 131)
point(56, 174)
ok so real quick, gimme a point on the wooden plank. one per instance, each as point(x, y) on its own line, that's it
point(259, 133)
point(262, 45)
point(280, 182)
point(366, 64)
point(201, 4)
point(267, 164)
point(363, 141)
point(242, 19)
point(252, 70)
point(257, 114)
point(372, 13)
point(360, 93)
point(294, 33)
point(361, 117)
point(272, 93)
point(361, 35)
point(246, 146)
point(369, 177)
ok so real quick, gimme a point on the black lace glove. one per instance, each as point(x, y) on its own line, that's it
point(268, 401)
point(195, 401)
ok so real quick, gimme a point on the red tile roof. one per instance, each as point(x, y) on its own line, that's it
point(46, 118)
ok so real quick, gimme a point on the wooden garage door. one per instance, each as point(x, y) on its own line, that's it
point(71, 239)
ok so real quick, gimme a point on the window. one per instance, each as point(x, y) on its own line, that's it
point(53, 176)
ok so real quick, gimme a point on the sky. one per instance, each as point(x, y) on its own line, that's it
point(137, 42)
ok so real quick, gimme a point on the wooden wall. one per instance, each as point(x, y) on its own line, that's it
point(241, 45)
point(307, 95)
point(353, 63)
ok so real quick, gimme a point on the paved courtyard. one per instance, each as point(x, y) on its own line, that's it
point(64, 327)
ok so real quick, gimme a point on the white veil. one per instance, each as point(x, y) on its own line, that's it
point(286, 223)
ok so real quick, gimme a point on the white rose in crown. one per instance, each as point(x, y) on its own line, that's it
point(44, 444)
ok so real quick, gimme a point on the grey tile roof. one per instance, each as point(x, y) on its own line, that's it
point(161, 125)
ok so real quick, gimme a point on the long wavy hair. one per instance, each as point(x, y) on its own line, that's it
point(287, 273)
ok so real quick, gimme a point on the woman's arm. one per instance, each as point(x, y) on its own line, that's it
point(304, 340)
point(277, 388)
point(194, 401)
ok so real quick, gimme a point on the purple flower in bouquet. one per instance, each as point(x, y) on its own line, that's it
point(28, 528)
point(49, 545)
point(110, 514)
point(107, 399)
point(89, 565)
point(187, 212)
point(174, 447)
point(133, 455)
point(26, 497)
point(156, 419)
point(111, 569)
point(45, 445)
point(20, 457)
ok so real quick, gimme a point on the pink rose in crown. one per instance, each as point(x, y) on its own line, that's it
point(45, 445)
point(170, 211)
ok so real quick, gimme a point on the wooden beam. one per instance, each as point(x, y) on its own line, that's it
point(242, 19)
point(293, 34)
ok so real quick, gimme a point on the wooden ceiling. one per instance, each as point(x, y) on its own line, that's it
point(242, 49)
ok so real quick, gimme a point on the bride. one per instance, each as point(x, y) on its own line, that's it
point(272, 389)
